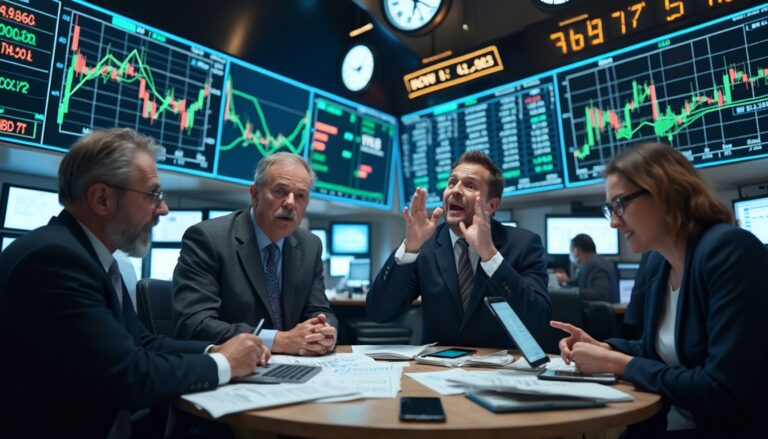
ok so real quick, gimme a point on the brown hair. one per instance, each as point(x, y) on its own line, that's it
point(689, 204)
point(495, 179)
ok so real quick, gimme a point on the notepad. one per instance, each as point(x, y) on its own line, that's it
point(391, 352)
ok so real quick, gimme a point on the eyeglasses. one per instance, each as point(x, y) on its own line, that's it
point(157, 196)
point(618, 204)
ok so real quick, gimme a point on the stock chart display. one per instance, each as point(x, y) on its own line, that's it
point(110, 71)
point(705, 92)
point(262, 115)
point(515, 125)
point(27, 32)
point(351, 152)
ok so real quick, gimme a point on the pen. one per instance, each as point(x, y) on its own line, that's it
point(258, 327)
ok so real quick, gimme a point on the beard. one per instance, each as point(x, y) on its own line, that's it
point(127, 236)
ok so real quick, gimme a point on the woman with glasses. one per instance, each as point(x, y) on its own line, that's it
point(704, 346)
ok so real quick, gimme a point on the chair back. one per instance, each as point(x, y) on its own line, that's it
point(566, 307)
point(154, 305)
point(599, 320)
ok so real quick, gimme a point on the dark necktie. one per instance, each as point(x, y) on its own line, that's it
point(117, 282)
point(273, 286)
point(466, 275)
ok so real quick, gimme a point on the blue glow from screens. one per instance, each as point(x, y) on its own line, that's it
point(625, 289)
point(359, 272)
point(350, 239)
point(561, 229)
point(171, 227)
point(510, 223)
point(339, 265)
point(7, 240)
point(162, 262)
point(752, 215)
point(28, 209)
point(218, 213)
point(323, 235)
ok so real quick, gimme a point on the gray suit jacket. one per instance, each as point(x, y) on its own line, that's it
point(219, 284)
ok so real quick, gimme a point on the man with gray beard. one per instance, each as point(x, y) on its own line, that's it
point(79, 361)
point(255, 264)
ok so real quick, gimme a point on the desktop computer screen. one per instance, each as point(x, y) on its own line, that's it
point(26, 208)
point(215, 213)
point(510, 223)
point(359, 272)
point(162, 262)
point(339, 265)
point(323, 235)
point(560, 229)
point(350, 238)
point(625, 289)
point(752, 215)
point(7, 240)
point(171, 227)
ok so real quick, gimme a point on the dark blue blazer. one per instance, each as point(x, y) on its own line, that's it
point(721, 332)
point(521, 279)
point(72, 358)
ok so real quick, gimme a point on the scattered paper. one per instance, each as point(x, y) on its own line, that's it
point(391, 352)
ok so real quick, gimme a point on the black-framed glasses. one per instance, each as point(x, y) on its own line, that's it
point(157, 196)
point(618, 204)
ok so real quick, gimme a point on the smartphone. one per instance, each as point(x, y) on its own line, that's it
point(563, 375)
point(451, 353)
point(428, 409)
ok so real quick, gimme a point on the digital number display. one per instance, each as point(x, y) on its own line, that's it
point(515, 125)
point(594, 28)
point(703, 92)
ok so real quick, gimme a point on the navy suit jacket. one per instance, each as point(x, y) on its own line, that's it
point(720, 333)
point(73, 358)
point(521, 279)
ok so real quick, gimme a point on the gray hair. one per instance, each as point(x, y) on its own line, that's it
point(260, 176)
point(102, 156)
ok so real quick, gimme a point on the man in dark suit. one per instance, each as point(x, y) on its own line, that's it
point(597, 278)
point(79, 360)
point(258, 264)
point(453, 266)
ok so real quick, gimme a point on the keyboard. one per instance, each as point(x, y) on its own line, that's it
point(280, 373)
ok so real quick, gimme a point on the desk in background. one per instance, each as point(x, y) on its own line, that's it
point(378, 418)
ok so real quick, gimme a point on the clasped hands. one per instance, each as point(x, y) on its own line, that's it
point(313, 336)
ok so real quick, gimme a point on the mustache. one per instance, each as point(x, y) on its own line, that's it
point(285, 213)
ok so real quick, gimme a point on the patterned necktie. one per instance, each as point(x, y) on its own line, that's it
point(117, 281)
point(466, 275)
point(273, 286)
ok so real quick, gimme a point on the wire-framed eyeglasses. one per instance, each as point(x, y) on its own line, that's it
point(618, 204)
point(157, 196)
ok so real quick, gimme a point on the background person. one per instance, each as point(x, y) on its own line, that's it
point(597, 278)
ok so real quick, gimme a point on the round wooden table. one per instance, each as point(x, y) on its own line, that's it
point(378, 418)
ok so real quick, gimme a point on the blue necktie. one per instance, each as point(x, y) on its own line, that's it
point(466, 275)
point(273, 286)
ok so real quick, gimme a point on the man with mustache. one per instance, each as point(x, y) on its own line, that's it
point(81, 362)
point(454, 265)
point(258, 264)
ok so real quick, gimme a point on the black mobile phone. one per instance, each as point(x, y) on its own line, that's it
point(451, 353)
point(428, 409)
point(564, 375)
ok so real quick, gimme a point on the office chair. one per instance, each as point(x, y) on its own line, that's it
point(154, 305)
point(566, 307)
point(599, 319)
point(400, 331)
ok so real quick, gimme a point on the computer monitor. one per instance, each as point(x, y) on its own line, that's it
point(359, 272)
point(625, 289)
point(323, 235)
point(27, 208)
point(162, 262)
point(6, 241)
point(560, 229)
point(215, 213)
point(171, 227)
point(350, 238)
point(752, 215)
point(510, 223)
point(339, 265)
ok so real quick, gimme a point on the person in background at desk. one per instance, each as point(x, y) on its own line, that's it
point(80, 361)
point(597, 278)
point(703, 346)
point(453, 266)
point(257, 263)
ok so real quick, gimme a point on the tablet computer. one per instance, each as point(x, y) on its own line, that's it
point(521, 336)
point(501, 402)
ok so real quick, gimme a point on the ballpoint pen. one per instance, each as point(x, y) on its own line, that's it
point(258, 327)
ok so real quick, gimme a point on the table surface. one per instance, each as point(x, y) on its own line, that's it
point(378, 418)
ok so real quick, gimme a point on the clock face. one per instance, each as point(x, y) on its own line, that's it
point(553, 4)
point(414, 15)
point(357, 68)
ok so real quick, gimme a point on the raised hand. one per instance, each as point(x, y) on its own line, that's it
point(418, 226)
point(478, 234)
